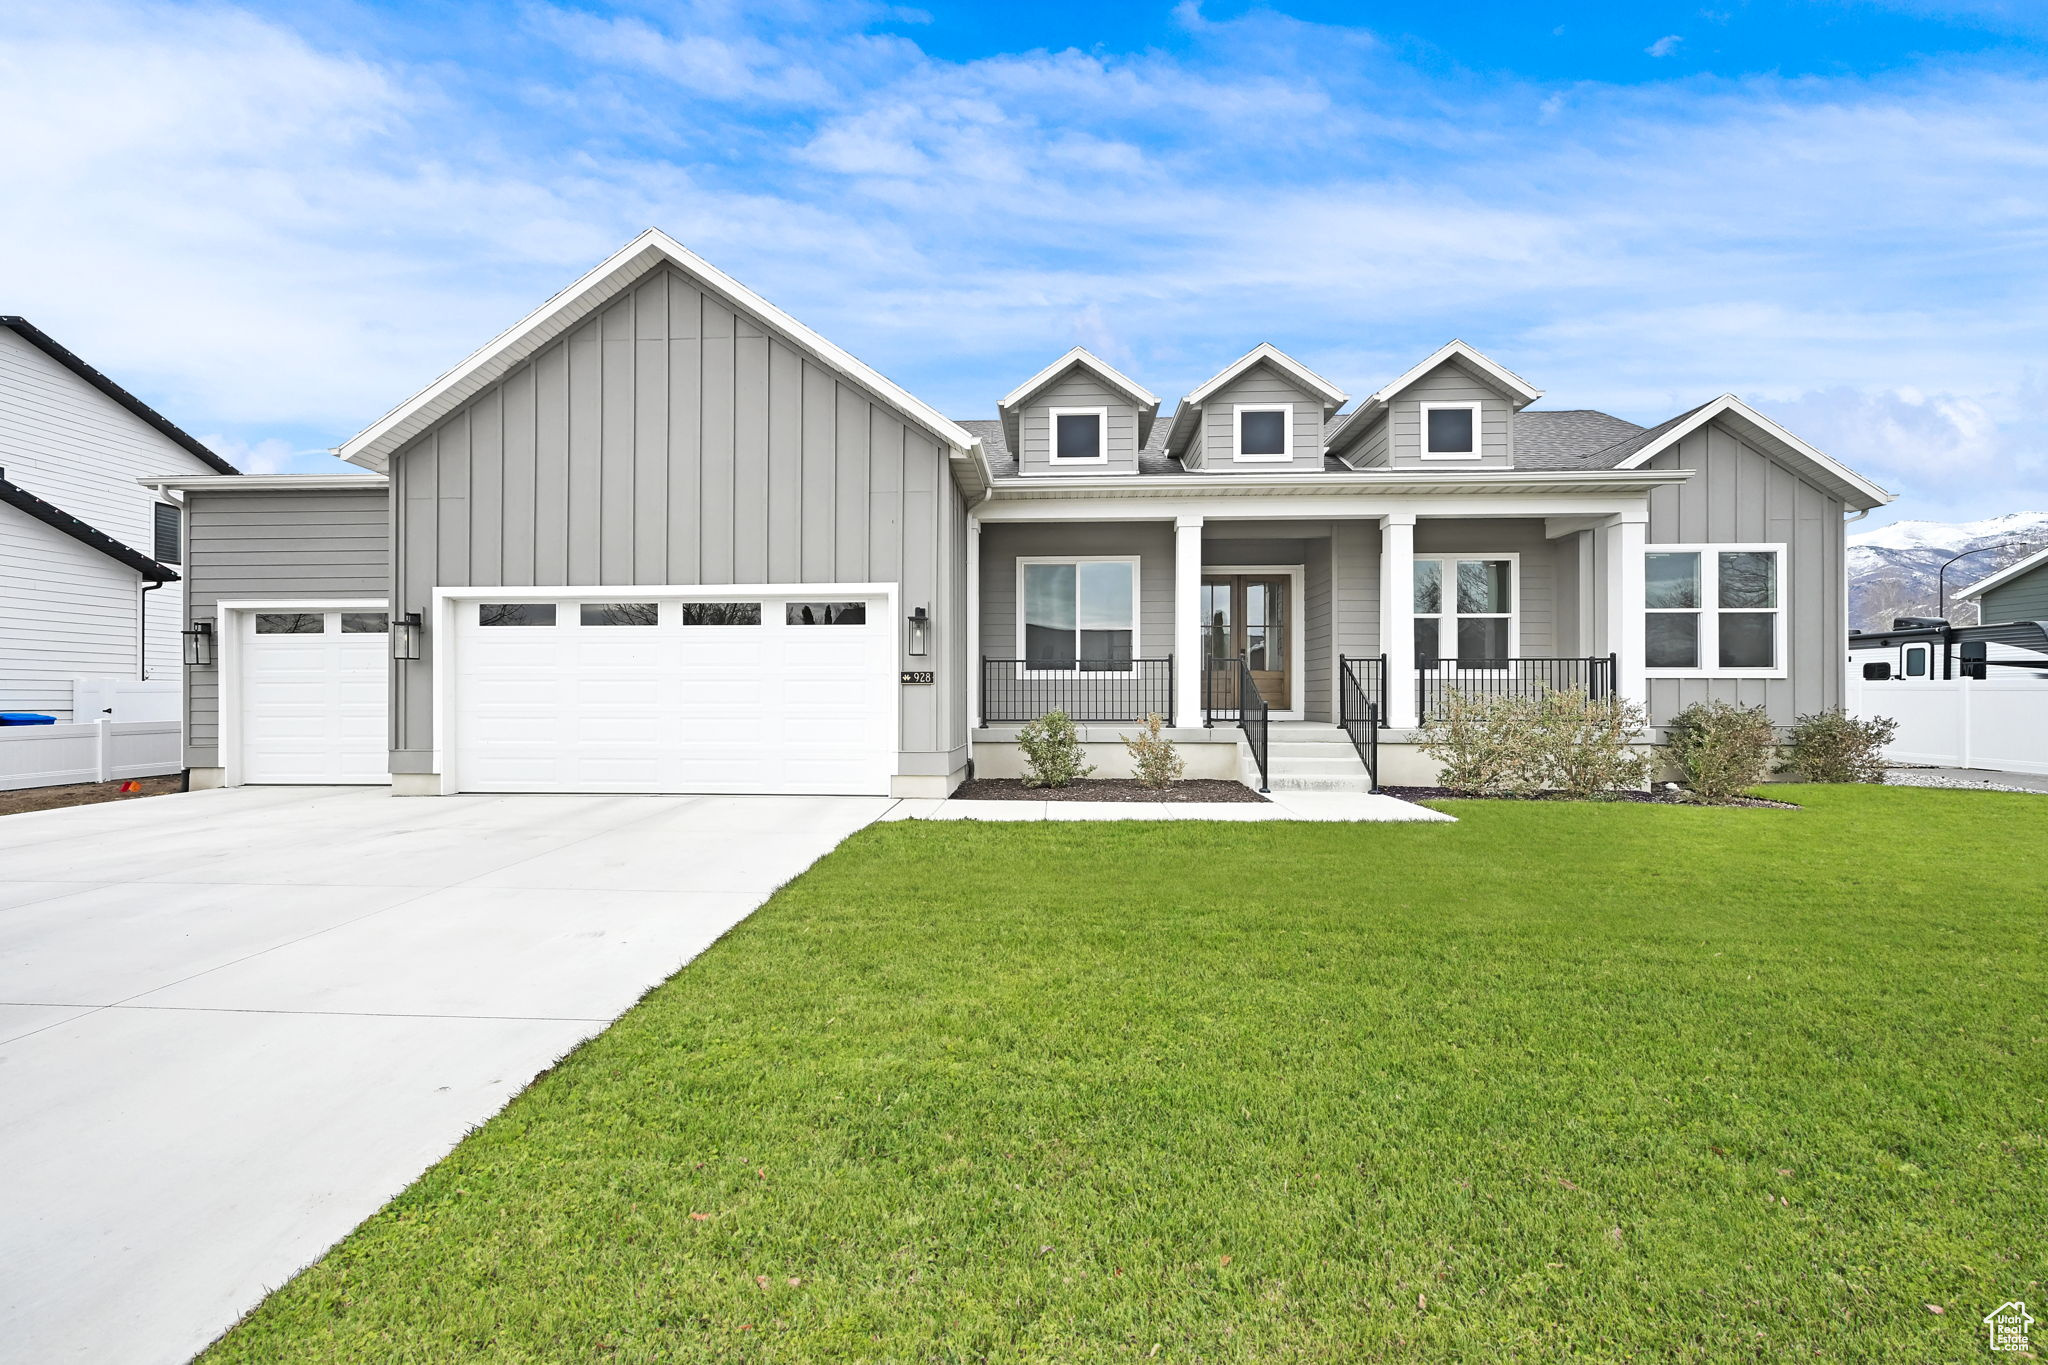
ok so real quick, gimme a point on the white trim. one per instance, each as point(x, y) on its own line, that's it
point(1457, 350)
point(1137, 639)
point(1052, 436)
point(1447, 600)
point(374, 445)
point(227, 643)
point(1926, 650)
point(1709, 611)
point(265, 483)
point(2004, 575)
point(441, 644)
point(1728, 405)
point(1297, 629)
point(1478, 450)
point(1081, 356)
point(1467, 482)
point(973, 621)
point(1066, 505)
point(1237, 412)
point(1397, 614)
point(1279, 360)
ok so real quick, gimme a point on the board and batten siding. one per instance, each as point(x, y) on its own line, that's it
point(1738, 495)
point(285, 545)
point(1266, 387)
point(1449, 382)
point(1078, 388)
point(2022, 599)
point(669, 440)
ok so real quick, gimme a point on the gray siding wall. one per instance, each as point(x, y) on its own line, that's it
point(1449, 382)
point(1004, 543)
point(2023, 599)
point(668, 440)
point(1738, 494)
point(282, 545)
point(1539, 570)
point(1371, 450)
point(1264, 385)
point(1078, 388)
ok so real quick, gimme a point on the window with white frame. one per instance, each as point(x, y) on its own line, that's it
point(1917, 661)
point(1264, 432)
point(1079, 435)
point(1077, 614)
point(1450, 431)
point(1464, 608)
point(1714, 609)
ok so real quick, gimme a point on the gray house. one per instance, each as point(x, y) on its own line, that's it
point(2018, 592)
point(659, 536)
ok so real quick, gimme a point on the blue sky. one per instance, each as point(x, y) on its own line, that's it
point(275, 221)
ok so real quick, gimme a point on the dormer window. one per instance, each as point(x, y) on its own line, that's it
point(1450, 431)
point(1263, 432)
point(1080, 435)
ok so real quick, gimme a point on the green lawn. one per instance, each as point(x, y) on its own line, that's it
point(1559, 1082)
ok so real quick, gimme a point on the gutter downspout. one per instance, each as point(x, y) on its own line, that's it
point(142, 672)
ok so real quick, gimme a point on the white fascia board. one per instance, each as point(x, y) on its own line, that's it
point(2004, 575)
point(1728, 405)
point(1082, 356)
point(1506, 378)
point(264, 483)
point(373, 447)
point(1363, 483)
point(1279, 360)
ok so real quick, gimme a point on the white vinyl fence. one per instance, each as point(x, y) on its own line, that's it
point(126, 699)
point(97, 751)
point(1999, 723)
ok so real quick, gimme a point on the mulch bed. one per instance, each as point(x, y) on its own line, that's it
point(1105, 789)
point(85, 794)
point(1655, 798)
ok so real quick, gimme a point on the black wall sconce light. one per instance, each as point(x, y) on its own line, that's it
point(405, 636)
point(918, 641)
point(199, 643)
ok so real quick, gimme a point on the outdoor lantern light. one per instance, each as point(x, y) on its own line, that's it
point(405, 636)
point(920, 634)
point(199, 642)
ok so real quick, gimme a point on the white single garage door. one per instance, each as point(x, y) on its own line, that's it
point(312, 692)
point(673, 693)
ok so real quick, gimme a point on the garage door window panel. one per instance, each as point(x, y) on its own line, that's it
point(721, 613)
point(828, 613)
point(291, 623)
point(619, 613)
point(365, 623)
point(515, 613)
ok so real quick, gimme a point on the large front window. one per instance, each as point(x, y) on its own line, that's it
point(1714, 609)
point(1464, 609)
point(1079, 613)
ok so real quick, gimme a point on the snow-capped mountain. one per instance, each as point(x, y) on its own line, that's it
point(1893, 569)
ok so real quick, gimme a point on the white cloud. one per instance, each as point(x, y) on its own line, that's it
point(1665, 46)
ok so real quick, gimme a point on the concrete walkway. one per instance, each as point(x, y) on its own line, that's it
point(1342, 806)
point(1987, 779)
point(234, 1023)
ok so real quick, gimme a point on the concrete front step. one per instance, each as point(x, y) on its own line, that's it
point(1336, 765)
point(1297, 749)
point(1283, 782)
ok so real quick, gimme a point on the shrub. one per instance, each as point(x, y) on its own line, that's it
point(1721, 748)
point(1833, 746)
point(1052, 751)
point(1154, 757)
point(1490, 746)
point(1583, 744)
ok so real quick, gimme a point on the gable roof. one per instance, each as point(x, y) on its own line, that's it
point(49, 346)
point(1506, 379)
point(1266, 352)
point(14, 495)
point(2003, 576)
point(374, 446)
point(1087, 359)
point(1637, 451)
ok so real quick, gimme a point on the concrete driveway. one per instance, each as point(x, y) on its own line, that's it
point(234, 1023)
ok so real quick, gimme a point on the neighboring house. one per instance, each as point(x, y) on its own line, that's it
point(89, 558)
point(660, 536)
point(2018, 592)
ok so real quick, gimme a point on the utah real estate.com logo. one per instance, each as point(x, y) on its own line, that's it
point(2007, 1325)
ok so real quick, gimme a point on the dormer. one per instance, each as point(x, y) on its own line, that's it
point(1078, 415)
point(1455, 410)
point(1264, 414)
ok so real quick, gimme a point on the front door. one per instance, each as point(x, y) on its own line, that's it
point(1249, 616)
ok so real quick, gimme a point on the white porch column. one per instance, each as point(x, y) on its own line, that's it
point(1397, 615)
point(1187, 620)
point(1621, 550)
point(973, 622)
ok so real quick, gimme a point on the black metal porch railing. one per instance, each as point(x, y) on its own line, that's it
point(1012, 691)
point(1485, 679)
point(1372, 681)
point(1358, 710)
point(1254, 718)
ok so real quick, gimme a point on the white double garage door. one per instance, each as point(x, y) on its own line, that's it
point(669, 690)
